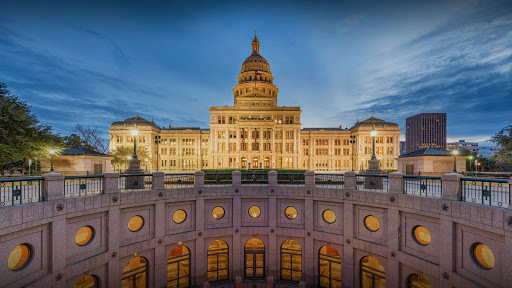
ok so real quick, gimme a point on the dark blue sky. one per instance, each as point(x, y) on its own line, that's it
point(96, 62)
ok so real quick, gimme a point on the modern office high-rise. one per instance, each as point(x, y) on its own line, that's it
point(426, 130)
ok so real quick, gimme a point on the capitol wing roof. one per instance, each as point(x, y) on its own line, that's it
point(137, 120)
point(427, 152)
point(373, 122)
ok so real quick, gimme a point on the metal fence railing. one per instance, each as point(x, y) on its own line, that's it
point(178, 180)
point(211, 179)
point(76, 186)
point(428, 186)
point(134, 182)
point(494, 192)
point(291, 179)
point(372, 182)
point(330, 180)
point(253, 178)
point(14, 191)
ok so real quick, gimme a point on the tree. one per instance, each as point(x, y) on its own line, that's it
point(22, 137)
point(121, 155)
point(504, 139)
point(91, 139)
point(75, 140)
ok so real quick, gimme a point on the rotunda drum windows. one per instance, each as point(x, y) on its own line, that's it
point(179, 216)
point(84, 235)
point(371, 223)
point(290, 212)
point(135, 223)
point(483, 256)
point(218, 212)
point(254, 211)
point(329, 216)
point(422, 235)
point(19, 257)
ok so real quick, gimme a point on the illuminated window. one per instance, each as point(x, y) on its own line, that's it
point(135, 273)
point(135, 223)
point(254, 211)
point(218, 212)
point(329, 262)
point(254, 258)
point(372, 273)
point(290, 212)
point(371, 223)
point(291, 261)
point(417, 281)
point(218, 261)
point(179, 216)
point(88, 281)
point(178, 268)
point(422, 235)
point(483, 256)
point(84, 235)
point(19, 257)
point(329, 216)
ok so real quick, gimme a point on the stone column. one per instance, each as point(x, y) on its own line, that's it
point(396, 182)
point(350, 180)
point(199, 179)
point(270, 282)
point(236, 178)
point(158, 180)
point(110, 182)
point(272, 178)
point(451, 186)
point(238, 282)
point(309, 178)
point(53, 186)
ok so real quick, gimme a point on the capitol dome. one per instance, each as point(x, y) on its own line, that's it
point(255, 62)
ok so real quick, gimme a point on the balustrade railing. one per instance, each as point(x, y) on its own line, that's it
point(178, 180)
point(494, 192)
point(254, 178)
point(211, 179)
point(330, 180)
point(133, 182)
point(291, 178)
point(15, 191)
point(76, 186)
point(428, 186)
point(372, 182)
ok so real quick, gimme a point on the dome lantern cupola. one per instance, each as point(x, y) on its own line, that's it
point(255, 44)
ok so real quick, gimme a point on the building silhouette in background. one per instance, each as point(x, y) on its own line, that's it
point(425, 130)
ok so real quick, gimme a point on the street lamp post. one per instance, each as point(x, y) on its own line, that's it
point(52, 152)
point(373, 133)
point(470, 162)
point(134, 134)
point(146, 160)
point(352, 141)
point(157, 141)
point(362, 164)
point(455, 153)
point(125, 165)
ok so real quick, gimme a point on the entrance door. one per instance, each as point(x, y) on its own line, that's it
point(254, 258)
point(266, 163)
point(98, 169)
point(244, 163)
point(255, 163)
point(409, 169)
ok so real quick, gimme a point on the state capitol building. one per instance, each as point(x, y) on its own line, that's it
point(257, 133)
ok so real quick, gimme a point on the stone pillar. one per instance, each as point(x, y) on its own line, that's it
point(134, 182)
point(302, 284)
point(309, 178)
point(272, 178)
point(451, 186)
point(199, 179)
point(238, 282)
point(158, 180)
point(396, 182)
point(270, 282)
point(53, 186)
point(510, 193)
point(110, 182)
point(350, 180)
point(236, 178)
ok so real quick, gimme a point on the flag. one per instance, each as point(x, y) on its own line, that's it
point(258, 72)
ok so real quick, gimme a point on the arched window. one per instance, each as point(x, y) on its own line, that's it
point(135, 273)
point(254, 258)
point(372, 273)
point(218, 261)
point(417, 281)
point(329, 262)
point(178, 267)
point(291, 261)
point(89, 281)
